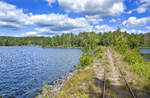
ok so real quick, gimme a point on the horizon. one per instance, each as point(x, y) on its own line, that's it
point(144, 33)
point(54, 17)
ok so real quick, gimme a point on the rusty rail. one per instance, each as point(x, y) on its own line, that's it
point(104, 84)
point(130, 89)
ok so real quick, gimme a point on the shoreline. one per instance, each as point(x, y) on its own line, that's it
point(56, 84)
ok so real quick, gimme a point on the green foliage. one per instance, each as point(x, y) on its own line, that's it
point(133, 57)
point(137, 63)
point(98, 52)
point(119, 41)
point(86, 59)
point(147, 87)
point(142, 69)
point(121, 46)
point(127, 45)
point(85, 40)
point(134, 40)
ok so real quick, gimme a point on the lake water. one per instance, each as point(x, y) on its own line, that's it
point(145, 53)
point(23, 69)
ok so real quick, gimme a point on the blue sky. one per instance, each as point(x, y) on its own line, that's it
point(52, 17)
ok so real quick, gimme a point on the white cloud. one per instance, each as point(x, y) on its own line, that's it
point(142, 8)
point(52, 24)
point(112, 20)
point(94, 19)
point(129, 12)
point(103, 28)
point(9, 25)
point(37, 33)
point(107, 28)
point(31, 33)
point(58, 22)
point(94, 10)
point(134, 22)
point(50, 2)
point(94, 7)
point(145, 1)
point(11, 17)
point(147, 27)
point(133, 31)
point(45, 30)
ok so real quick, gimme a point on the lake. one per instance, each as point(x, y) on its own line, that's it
point(145, 53)
point(23, 69)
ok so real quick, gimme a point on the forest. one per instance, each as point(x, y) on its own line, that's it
point(87, 40)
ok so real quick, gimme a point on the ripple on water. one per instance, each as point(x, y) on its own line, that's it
point(25, 69)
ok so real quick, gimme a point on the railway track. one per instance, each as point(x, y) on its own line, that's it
point(115, 70)
point(104, 84)
point(129, 88)
point(127, 84)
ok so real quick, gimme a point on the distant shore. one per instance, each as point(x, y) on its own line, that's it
point(43, 46)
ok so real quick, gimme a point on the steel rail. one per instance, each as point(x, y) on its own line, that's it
point(104, 84)
point(130, 89)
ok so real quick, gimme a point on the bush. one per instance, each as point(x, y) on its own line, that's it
point(86, 59)
point(140, 68)
point(137, 63)
point(133, 57)
point(98, 52)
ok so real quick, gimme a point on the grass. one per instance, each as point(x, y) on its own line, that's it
point(81, 85)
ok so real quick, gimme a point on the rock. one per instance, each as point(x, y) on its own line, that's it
point(55, 85)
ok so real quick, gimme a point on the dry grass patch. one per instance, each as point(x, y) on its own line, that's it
point(81, 85)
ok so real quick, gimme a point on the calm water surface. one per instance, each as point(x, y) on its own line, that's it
point(145, 53)
point(25, 69)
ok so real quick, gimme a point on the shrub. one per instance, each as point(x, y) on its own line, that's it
point(137, 63)
point(133, 57)
point(98, 52)
point(86, 59)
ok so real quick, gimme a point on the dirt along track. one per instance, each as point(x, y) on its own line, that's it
point(114, 84)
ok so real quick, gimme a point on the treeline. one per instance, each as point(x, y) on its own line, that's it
point(127, 44)
point(87, 40)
